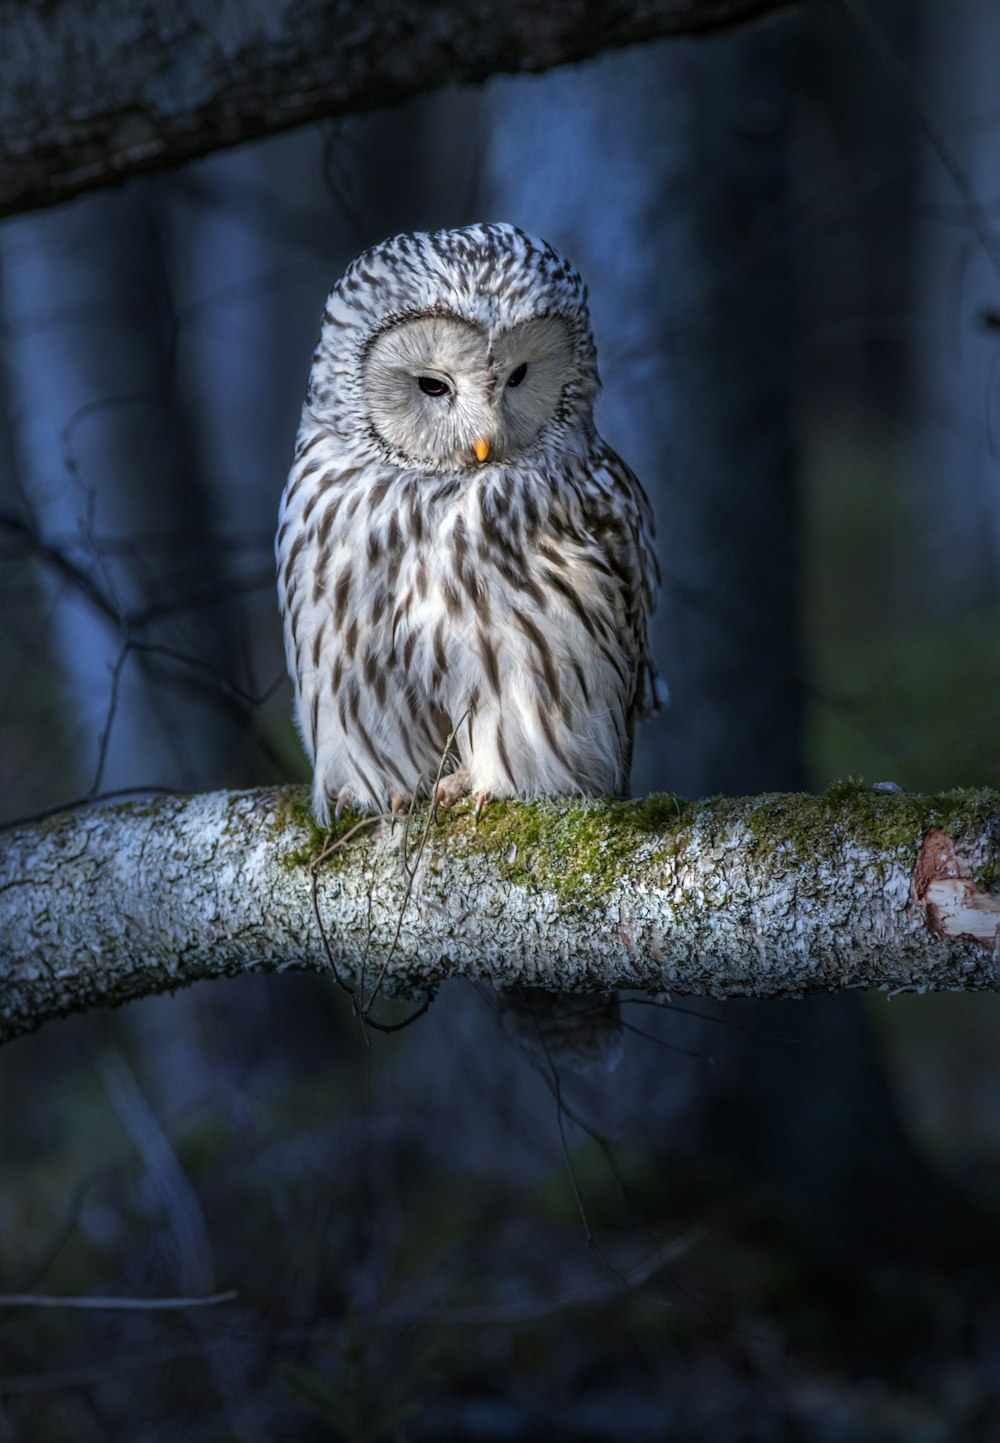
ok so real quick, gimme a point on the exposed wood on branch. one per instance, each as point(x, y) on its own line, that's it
point(90, 94)
point(764, 896)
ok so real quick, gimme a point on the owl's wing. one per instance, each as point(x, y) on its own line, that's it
point(618, 511)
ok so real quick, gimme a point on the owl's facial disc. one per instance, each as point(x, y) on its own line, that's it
point(532, 363)
point(427, 386)
point(443, 392)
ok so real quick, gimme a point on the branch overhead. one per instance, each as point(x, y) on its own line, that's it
point(763, 896)
point(91, 94)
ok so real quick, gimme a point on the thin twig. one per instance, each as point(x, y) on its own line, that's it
point(328, 851)
point(102, 748)
point(103, 1303)
point(505, 1314)
point(412, 873)
point(176, 1192)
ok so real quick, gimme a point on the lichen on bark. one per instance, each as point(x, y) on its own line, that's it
point(770, 896)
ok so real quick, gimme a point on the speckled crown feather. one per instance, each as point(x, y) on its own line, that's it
point(476, 273)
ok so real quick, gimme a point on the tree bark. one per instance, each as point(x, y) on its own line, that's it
point(777, 895)
point(90, 94)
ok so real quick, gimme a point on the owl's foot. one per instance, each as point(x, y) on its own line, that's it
point(347, 801)
point(450, 788)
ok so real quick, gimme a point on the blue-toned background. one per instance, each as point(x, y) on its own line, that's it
point(773, 1222)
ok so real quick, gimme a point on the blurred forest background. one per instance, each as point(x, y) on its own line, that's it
point(773, 1221)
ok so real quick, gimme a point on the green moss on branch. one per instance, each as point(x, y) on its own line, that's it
point(579, 850)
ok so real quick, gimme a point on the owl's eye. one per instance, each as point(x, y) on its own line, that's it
point(431, 386)
point(518, 374)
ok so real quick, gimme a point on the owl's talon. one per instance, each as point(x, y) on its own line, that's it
point(449, 789)
point(398, 805)
point(343, 800)
point(483, 800)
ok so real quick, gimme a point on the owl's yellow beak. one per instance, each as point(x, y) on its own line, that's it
point(481, 448)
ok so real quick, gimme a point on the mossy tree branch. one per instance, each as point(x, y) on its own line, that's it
point(764, 896)
point(90, 94)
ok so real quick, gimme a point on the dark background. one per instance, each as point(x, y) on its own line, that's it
point(773, 1221)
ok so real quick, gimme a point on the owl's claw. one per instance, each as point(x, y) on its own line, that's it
point(483, 800)
point(449, 789)
point(398, 805)
point(344, 799)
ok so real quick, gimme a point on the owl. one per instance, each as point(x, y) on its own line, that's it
point(464, 567)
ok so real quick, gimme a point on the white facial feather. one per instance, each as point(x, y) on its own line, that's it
point(426, 427)
point(545, 348)
point(500, 386)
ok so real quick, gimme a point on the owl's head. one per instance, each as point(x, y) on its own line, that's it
point(451, 349)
